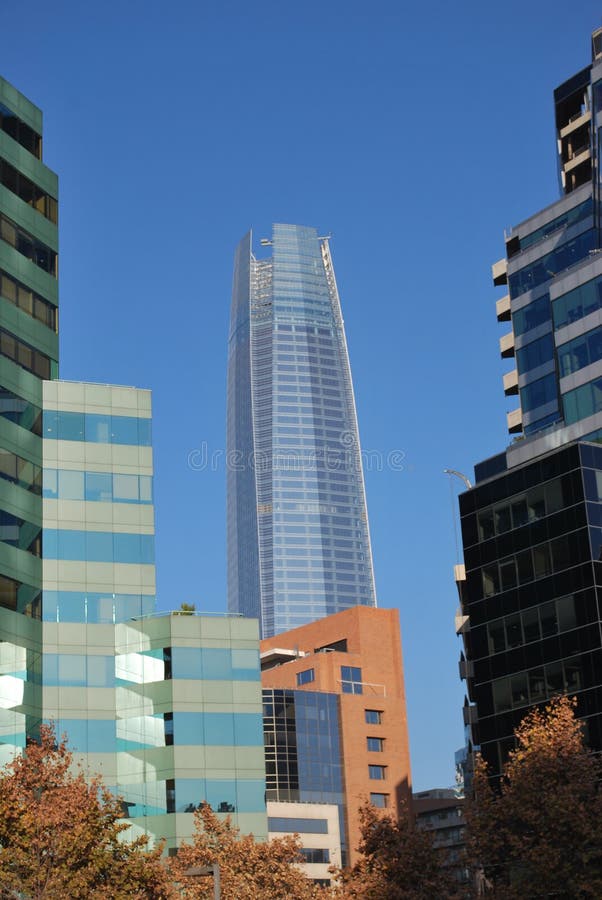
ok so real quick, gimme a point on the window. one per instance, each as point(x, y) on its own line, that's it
point(305, 677)
point(317, 855)
point(29, 192)
point(373, 716)
point(351, 680)
point(379, 800)
point(25, 299)
point(25, 243)
point(20, 132)
point(377, 773)
point(375, 744)
point(302, 826)
point(25, 356)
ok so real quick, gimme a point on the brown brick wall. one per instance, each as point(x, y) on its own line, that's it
point(374, 645)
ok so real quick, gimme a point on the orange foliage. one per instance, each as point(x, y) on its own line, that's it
point(541, 834)
point(59, 834)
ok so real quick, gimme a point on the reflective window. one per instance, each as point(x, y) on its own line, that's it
point(538, 393)
point(28, 191)
point(20, 411)
point(375, 744)
point(535, 354)
point(215, 663)
point(218, 729)
point(94, 428)
point(578, 303)
point(67, 484)
point(77, 670)
point(25, 355)
point(88, 735)
point(576, 214)
point(580, 352)
point(305, 677)
point(28, 301)
point(537, 684)
point(351, 680)
point(20, 471)
point(98, 546)
point(377, 772)
point(23, 242)
point(532, 624)
point(535, 313)
point(584, 401)
point(554, 262)
point(97, 608)
point(379, 800)
point(19, 533)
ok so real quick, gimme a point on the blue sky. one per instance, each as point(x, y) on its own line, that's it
point(414, 133)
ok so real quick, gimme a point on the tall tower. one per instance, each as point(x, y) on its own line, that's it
point(530, 587)
point(298, 537)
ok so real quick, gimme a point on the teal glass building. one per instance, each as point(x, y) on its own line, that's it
point(297, 525)
point(28, 355)
point(166, 707)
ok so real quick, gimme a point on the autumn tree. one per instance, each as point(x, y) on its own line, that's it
point(60, 834)
point(540, 835)
point(249, 870)
point(398, 862)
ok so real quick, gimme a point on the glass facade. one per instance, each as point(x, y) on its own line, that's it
point(298, 538)
point(28, 354)
point(303, 750)
point(532, 540)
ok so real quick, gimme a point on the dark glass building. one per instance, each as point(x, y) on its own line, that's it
point(532, 550)
point(530, 608)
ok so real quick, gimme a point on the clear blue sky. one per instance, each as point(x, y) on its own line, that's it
point(414, 133)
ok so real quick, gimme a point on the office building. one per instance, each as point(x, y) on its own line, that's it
point(298, 538)
point(28, 355)
point(440, 811)
point(317, 827)
point(335, 717)
point(166, 707)
point(529, 597)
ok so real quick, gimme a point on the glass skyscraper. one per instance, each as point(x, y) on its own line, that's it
point(531, 584)
point(298, 537)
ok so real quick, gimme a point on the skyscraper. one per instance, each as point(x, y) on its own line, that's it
point(530, 588)
point(28, 354)
point(298, 537)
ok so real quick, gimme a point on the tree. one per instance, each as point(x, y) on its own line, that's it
point(59, 834)
point(186, 609)
point(540, 835)
point(398, 861)
point(248, 870)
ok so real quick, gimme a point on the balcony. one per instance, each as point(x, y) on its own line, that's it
point(502, 309)
point(499, 272)
point(469, 714)
point(462, 622)
point(515, 421)
point(507, 345)
point(511, 383)
point(575, 123)
point(578, 156)
point(466, 667)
